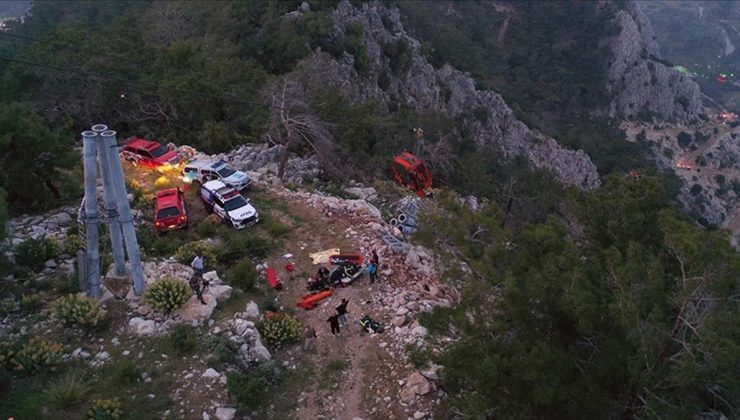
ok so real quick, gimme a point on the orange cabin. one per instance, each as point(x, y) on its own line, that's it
point(411, 171)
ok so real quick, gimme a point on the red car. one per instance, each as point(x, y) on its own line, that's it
point(169, 210)
point(149, 153)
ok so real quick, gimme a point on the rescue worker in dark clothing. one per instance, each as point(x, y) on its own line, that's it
point(323, 274)
point(195, 284)
point(374, 258)
point(342, 312)
point(334, 322)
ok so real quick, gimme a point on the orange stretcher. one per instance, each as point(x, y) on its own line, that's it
point(310, 301)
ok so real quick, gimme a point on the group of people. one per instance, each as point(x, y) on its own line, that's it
point(339, 318)
point(324, 279)
point(336, 321)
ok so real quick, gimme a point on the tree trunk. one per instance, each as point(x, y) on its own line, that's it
point(53, 188)
point(283, 163)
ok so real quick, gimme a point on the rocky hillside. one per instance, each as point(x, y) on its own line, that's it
point(398, 74)
point(639, 81)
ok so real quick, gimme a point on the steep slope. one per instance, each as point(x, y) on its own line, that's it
point(639, 81)
point(394, 72)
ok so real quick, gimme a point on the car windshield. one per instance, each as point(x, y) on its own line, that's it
point(159, 151)
point(168, 212)
point(226, 171)
point(235, 203)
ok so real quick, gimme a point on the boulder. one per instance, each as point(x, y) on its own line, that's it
point(195, 312)
point(399, 321)
point(252, 311)
point(419, 331)
point(60, 219)
point(211, 373)
point(225, 413)
point(241, 326)
point(212, 277)
point(220, 292)
point(418, 384)
point(431, 372)
point(367, 194)
point(260, 353)
point(141, 326)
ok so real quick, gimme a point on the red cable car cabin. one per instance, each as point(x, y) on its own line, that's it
point(411, 171)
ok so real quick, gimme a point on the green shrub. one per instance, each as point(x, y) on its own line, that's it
point(188, 251)
point(8, 305)
point(243, 275)
point(281, 330)
point(167, 294)
point(72, 244)
point(79, 309)
point(166, 246)
point(418, 357)
point(30, 302)
point(67, 284)
point(252, 389)
point(7, 351)
point(36, 354)
point(105, 410)
point(238, 244)
point(183, 339)
point(124, 372)
point(33, 253)
point(207, 229)
point(274, 226)
point(68, 391)
point(222, 351)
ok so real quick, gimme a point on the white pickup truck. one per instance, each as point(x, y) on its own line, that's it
point(204, 170)
point(228, 204)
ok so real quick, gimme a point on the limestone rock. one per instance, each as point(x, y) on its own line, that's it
point(417, 383)
point(220, 292)
point(225, 413)
point(141, 326)
point(637, 78)
point(194, 311)
point(260, 353)
point(252, 311)
point(419, 331)
point(445, 89)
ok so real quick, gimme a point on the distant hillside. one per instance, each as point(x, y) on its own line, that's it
point(703, 37)
point(14, 8)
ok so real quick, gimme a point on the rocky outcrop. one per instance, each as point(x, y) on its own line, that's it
point(638, 79)
point(406, 78)
point(244, 333)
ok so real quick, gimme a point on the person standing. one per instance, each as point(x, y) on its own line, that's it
point(374, 258)
point(334, 323)
point(372, 271)
point(197, 288)
point(309, 336)
point(342, 312)
point(197, 265)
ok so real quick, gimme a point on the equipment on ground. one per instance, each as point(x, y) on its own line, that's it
point(411, 171)
point(311, 300)
point(345, 274)
point(344, 259)
point(272, 279)
point(370, 325)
